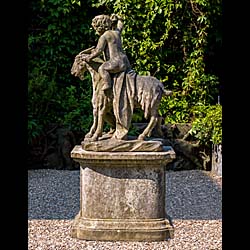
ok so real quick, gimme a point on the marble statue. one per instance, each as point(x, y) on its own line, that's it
point(117, 90)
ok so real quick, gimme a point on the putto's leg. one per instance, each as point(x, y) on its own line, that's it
point(105, 76)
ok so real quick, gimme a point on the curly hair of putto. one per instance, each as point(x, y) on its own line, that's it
point(101, 22)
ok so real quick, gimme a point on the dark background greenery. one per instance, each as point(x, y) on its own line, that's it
point(178, 42)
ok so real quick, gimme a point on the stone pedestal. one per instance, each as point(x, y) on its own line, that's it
point(122, 195)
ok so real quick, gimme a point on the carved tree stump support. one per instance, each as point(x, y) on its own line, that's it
point(122, 196)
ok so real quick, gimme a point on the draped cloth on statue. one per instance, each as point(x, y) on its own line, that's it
point(123, 102)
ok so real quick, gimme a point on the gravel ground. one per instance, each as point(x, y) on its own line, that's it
point(193, 204)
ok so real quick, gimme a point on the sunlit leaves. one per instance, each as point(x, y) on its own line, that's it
point(207, 126)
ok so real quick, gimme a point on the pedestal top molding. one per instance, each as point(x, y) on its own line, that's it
point(167, 155)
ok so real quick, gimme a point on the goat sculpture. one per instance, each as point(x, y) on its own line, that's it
point(142, 91)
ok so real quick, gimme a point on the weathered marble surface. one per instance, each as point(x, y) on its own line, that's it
point(122, 195)
point(114, 145)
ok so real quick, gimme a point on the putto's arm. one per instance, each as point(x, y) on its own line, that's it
point(98, 50)
point(117, 22)
point(120, 24)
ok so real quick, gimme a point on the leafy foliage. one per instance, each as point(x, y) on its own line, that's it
point(57, 32)
point(40, 105)
point(48, 104)
point(207, 126)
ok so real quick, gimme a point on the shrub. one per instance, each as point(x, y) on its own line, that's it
point(207, 126)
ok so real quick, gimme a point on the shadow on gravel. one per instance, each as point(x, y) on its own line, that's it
point(193, 195)
point(55, 194)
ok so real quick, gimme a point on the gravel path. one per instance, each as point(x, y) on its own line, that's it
point(193, 204)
